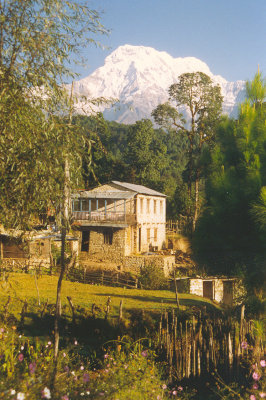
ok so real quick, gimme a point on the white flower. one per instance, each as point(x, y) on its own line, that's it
point(22, 348)
point(88, 392)
point(46, 393)
point(76, 342)
point(12, 391)
point(20, 396)
point(82, 368)
point(82, 394)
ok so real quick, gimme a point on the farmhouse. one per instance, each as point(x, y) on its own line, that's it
point(119, 219)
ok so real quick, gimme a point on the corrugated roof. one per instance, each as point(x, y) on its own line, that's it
point(139, 188)
point(88, 194)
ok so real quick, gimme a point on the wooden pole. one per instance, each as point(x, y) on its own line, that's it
point(72, 309)
point(121, 311)
point(107, 307)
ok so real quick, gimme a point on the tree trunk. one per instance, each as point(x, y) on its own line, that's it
point(196, 210)
point(65, 214)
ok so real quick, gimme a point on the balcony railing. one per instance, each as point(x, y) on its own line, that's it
point(104, 216)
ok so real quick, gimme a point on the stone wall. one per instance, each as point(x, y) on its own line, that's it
point(135, 263)
point(99, 248)
point(196, 287)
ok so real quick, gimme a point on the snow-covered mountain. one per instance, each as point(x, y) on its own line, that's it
point(139, 77)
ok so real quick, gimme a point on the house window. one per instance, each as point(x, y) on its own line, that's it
point(155, 234)
point(161, 207)
point(76, 205)
point(108, 236)
point(141, 206)
point(148, 206)
point(154, 206)
point(148, 235)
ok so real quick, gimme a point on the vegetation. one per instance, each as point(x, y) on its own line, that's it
point(93, 362)
point(152, 277)
point(204, 102)
point(230, 236)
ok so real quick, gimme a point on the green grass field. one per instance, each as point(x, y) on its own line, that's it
point(21, 287)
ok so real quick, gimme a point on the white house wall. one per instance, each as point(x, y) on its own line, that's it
point(151, 218)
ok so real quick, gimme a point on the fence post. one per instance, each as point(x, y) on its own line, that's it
point(23, 312)
point(93, 310)
point(72, 309)
point(107, 307)
point(120, 311)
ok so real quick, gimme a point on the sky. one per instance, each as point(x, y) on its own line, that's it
point(228, 35)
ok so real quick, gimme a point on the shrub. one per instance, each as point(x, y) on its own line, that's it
point(152, 277)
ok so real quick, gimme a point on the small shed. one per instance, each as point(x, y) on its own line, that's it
point(221, 290)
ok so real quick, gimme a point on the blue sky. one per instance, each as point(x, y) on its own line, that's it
point(229, 35)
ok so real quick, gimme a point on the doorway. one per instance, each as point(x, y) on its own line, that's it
point(208, 289)
point(228, 292)
point(85, 241)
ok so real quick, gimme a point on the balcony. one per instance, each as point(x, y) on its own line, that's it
point(103, 218)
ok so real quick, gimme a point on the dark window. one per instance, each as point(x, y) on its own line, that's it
point(108, 236)
point(85, 241)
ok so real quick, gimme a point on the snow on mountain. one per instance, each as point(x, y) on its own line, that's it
point(139, 77)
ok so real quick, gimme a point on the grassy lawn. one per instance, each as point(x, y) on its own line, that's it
point(21, 287)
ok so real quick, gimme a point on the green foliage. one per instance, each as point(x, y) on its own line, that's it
point(203, 102)
point(255, 307)
point(26, 368)
point(38, 40)
point(230, 234)
point(152, 277)
point(134, 153)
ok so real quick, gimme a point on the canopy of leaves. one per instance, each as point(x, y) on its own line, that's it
point(230, 234)
point(38, 39)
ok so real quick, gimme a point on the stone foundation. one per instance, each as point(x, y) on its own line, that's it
point(135, 263)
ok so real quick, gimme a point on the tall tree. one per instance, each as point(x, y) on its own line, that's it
point(146, 154)
point(40, 151)
point(203, 101)
point(231, 233)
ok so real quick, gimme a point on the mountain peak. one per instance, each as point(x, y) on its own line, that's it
point(140, 76)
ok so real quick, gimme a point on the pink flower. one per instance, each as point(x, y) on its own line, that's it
point(144, 353)
point(263, 363)
point(252, 397)
point(256, 376)
point(106, 355)
point(86, 378)
point(244, 345)
point(174, 392)
point(180, 388)
point(20, 357)
point(32, 367)
point(262, 395)
point(65, 397)
point(255, 386)
point(164, 386)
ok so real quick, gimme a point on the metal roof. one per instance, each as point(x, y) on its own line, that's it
point(138, 188)
point(89, 194)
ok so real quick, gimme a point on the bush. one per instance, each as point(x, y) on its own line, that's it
point(152, 277)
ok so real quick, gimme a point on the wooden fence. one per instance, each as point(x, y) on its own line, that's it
point(82, 275)
point(202, 347)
